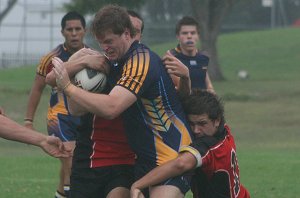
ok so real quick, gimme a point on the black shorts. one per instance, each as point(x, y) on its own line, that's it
point(98, 182)
point(182, 182)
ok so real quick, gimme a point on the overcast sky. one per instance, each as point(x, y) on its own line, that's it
point(31, 31)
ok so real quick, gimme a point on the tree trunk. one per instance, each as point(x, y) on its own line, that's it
point(10, 5)
point(209, 14)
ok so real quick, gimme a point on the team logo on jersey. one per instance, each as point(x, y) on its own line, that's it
point(193, 62)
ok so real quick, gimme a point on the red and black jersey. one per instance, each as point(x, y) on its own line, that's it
point(101, 142)
point(217, 174)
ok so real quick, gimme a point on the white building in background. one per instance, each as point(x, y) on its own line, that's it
point(31, 27)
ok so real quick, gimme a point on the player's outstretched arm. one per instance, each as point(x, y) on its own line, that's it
point(11, 130)
point(184, 162)
point(34, 100)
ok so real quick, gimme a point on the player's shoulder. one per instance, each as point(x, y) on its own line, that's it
point(203, 54)
point(145, 54)
point(54, 52)
point(204, 144)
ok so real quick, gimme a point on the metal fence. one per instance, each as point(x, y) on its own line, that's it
point(11, 60)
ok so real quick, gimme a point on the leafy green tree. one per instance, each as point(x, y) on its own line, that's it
point(209, 13)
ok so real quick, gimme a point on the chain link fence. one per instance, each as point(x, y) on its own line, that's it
point(11, 60)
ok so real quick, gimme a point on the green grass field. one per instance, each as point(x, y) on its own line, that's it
point(262, 111)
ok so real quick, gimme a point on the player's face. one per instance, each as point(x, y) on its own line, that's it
point(73, 33)
point(115, 46)
point(137, 24)
point(203, 126)
point(188, 38)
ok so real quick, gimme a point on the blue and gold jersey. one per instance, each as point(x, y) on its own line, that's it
point(155, 123)
point(59, 122)
point(197, 66)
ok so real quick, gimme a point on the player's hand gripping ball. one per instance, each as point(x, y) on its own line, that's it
point(90, 80)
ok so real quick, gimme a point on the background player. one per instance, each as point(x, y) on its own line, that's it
point(59, 122)
point(185, 61)
point(138, 24)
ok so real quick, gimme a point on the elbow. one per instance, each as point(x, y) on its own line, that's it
point(112, 112)
point(112, 115)
point(182, 166)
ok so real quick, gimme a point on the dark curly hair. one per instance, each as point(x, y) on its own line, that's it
point(203, 102)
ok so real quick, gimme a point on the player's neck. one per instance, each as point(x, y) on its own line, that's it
point(189, 52)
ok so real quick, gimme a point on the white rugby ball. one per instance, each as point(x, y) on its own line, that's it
point(243, 74)
point(90, 80)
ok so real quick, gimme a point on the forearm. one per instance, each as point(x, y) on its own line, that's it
point(11, 130)
point(209, 86)
point(158, 175)
point(184, 88)
point(99, 104)
point(33, 101)
point(75, 108)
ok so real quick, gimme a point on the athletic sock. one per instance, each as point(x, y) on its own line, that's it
point(67, 190)
point(59, 195)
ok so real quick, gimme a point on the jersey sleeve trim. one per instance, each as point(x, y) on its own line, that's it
point(194, 152)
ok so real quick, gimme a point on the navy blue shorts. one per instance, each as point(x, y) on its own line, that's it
point(182, 182)
point(98, 182)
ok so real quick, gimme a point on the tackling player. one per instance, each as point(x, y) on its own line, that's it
point(212, 155)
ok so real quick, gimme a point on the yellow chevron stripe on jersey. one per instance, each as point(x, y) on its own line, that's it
point(164, 152)
point(185, 135)
point(135, 71)
point(159, 119)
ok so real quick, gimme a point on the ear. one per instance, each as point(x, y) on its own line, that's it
point(217, 122)
point(127, 34)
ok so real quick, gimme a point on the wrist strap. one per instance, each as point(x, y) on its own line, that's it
point(28, 120)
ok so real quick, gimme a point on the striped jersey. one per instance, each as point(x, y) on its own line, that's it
point(155, 124)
